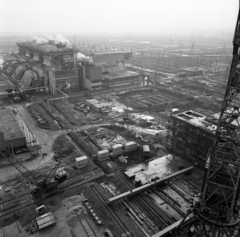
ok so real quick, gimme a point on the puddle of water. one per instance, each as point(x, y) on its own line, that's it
point(157, 168)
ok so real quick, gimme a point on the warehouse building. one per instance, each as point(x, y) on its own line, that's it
point(11, 134)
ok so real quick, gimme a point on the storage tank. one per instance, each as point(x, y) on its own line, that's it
point(130, 146)
point(103, 155)
point(81, 162)
point(117, 149)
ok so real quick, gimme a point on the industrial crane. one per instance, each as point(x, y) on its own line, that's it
point(43, 187)
point(215, 211)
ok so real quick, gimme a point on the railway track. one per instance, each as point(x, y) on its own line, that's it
point(115, 217)
point(184, 195)
point(87, 227)
point(3, 232)
point(13, 205)
point(139, 218)
point(163, 222)
point(190, 183)
point(169, 200)
point(71, 120)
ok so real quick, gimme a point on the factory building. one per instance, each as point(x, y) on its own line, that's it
point(57, 62)
point(44, 65)
point(108, 71)
point(190, 135)
point(11, 134)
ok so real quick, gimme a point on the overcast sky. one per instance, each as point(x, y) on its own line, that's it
point(118, 16)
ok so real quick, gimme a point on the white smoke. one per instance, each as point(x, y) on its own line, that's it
point(50, 37)
point(58, 38)
point(61, 39)
point(83, 57)
point(40, 40)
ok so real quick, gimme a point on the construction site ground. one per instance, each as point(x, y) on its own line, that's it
point(61, 145)
point(70, 211)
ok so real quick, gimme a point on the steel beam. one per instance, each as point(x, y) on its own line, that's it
point(147, 186)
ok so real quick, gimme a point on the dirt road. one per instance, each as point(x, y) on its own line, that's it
point(45, 139)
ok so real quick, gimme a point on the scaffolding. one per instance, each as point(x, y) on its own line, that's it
point(188, 140)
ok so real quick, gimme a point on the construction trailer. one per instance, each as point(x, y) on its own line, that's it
point(190, 135)
point(117, 149)
point(130, 146)
point(103, 155)
point(146, 151)
point(81, 161)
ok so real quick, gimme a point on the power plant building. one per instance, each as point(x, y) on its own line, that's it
point(108, 71)
point(56, 63)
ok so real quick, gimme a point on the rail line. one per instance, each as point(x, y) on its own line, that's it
point(3, 232)
point(118, 221)
point(191, 183)
point(87, 227)
point(140, 199)
point(184, 195)
point(169, 200)
point(140, 218)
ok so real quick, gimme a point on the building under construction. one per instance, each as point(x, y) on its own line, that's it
point(190, 135)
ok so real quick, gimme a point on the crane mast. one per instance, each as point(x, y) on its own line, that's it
point(215, 211)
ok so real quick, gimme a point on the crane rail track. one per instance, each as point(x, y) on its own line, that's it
point(26, 200)
point(118, 221)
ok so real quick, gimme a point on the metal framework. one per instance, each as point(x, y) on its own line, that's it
point(169, 62)
point(188, 140)
point(216, 209)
